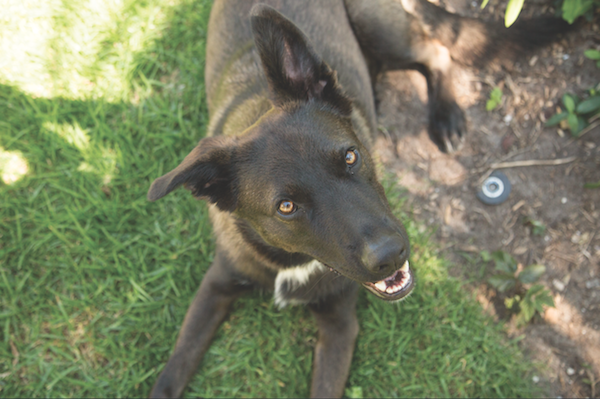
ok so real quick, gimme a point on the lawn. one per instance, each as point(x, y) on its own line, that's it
point(98, 98)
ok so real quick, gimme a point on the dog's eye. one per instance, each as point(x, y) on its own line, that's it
point(351, 157)
point(287, 207)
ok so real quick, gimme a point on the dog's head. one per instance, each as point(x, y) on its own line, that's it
point(299, 182)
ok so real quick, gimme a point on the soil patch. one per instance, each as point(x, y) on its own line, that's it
point(442, 191)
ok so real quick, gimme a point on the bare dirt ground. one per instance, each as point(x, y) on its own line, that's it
point(442, 188)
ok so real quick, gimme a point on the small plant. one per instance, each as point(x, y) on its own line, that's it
point(527, 299)
point(577, 112)
point(537, 227)
point(495, 99)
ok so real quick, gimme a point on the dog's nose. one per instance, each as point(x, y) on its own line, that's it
point(384, 255)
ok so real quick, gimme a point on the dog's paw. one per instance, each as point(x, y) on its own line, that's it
point(447, 126)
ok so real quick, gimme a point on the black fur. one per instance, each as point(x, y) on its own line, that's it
point(290, 94)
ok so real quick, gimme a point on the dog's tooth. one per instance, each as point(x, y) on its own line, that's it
point(404, 267)
point(406, 282)
point(381, 285)
point(390, 289)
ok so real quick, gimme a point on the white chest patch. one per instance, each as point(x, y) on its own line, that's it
point(293, 278)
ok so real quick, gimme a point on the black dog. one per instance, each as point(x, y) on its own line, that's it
point(295, 200)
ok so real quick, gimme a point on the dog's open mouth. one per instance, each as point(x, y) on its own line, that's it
point(395, 287)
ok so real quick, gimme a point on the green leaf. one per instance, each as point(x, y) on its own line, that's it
point(534, 290)
point(504, 262)
point(495, 99)
point(591, 54)
point(502, 282)
point(496, 93)
point(354, 392)
point(543, 299)
point(531, 274)
point(569, 103)
point(592, 185)
point(576, 124)
point(527, 311)
point(582, 125)
point(513, 9)
point(555, 119)
point(538, 296)
point(573, 124)
point(535, 299)
point(485, 255)
point(590, 105)
point(572, 9)
point(485, 2)
point(510, 302)
point(538, 227)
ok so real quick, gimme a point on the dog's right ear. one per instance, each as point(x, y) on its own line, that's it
point(206, 171)
point(294, 71)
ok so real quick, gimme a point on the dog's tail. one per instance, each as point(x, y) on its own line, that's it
point(476, 43)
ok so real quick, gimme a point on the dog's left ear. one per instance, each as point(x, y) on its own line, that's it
point(294, 71)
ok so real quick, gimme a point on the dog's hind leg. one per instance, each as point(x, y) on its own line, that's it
point(392, 38)
point(211, 304)
point(338, 328)
point(416, 34)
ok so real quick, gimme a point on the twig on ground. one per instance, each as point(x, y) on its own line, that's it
point(518, 205)
point(532, 162)
point(564, 257)
point(584, 131)
point(485, 167)
point(587, 129)
point(484, 214)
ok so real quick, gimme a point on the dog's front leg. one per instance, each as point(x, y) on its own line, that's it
point(211, 304)
point(338, 328)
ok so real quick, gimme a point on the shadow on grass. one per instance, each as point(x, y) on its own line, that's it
point(95, 280)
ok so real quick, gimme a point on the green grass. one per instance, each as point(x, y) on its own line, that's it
point(98, 98)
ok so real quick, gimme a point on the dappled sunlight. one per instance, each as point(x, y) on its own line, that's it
point(26, 27)
point(568, 320)
point(98, 159)
point(93, 104)
point(13, 166)
point(52, 48)
point(77, 50)
point(73, 134)
point(419, 150)
point(101, 162)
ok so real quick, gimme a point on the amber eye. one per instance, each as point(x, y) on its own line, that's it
point(287, 207)
point(351, 157)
